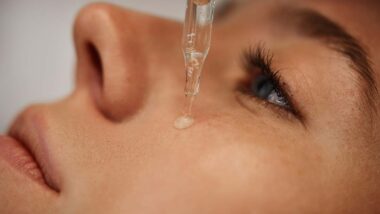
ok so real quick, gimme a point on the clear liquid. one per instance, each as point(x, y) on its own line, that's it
point(187, 119)
point(193, 66)
point(183, 122)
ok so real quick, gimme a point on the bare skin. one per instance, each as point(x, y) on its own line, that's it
point(110, 146)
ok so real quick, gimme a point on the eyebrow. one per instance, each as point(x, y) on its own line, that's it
point(312, 24)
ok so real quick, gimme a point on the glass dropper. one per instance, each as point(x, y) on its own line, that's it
point(196, 41)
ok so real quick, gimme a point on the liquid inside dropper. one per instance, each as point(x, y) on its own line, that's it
point(194, 62)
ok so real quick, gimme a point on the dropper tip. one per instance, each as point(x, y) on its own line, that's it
point(186, 120)
point(189, 105)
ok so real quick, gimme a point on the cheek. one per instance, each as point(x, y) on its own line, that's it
point(216, 165)
point(224, 172)
point(262, 176)
point(228, 170)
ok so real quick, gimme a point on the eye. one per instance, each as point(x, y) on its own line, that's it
point(264, 87)
point(264, 83)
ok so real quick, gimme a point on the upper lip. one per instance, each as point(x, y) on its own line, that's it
point(28, 129)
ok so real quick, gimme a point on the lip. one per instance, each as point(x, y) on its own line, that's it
point(26, 150)
point(20, 158)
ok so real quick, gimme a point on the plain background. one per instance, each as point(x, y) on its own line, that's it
point(37, 52)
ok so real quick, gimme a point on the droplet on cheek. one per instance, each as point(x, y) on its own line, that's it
point(183, 122)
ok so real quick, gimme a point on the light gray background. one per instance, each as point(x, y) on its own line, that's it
point(36, 50)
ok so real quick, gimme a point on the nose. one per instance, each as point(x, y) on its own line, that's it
point(116, 49)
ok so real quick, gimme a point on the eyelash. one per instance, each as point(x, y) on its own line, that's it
point(258, 61)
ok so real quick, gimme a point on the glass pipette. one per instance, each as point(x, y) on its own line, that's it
point(196, 42)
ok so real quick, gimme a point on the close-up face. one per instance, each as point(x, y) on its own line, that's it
point(286, 121)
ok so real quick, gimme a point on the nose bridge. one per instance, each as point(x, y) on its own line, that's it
point(116, 49)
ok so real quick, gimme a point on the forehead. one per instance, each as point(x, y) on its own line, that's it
point(358, 18)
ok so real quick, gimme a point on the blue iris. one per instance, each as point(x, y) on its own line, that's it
point(264, 87)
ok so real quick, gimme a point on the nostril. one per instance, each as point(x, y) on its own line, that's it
point(96, 61)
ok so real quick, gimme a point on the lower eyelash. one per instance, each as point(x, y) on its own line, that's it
point(245, 97)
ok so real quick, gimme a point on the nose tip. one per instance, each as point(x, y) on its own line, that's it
point(94, 18)
point(111, 60)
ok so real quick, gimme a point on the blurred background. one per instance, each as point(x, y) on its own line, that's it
point(36, 48)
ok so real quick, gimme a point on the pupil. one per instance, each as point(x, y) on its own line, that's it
point(262, 87)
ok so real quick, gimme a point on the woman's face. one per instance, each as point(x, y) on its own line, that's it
point(286, 121)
